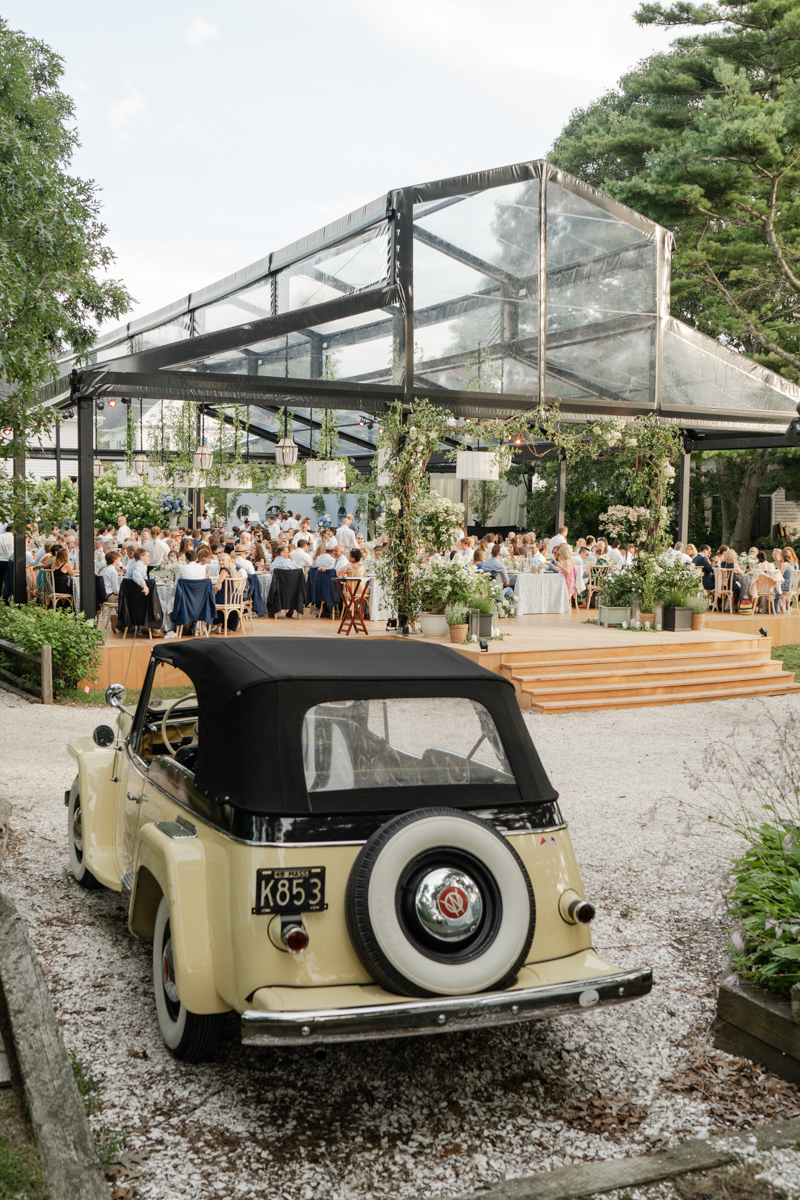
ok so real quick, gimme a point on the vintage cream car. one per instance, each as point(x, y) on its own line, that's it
point(336, 840)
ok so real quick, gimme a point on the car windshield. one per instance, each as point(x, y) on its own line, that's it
point(401, 743)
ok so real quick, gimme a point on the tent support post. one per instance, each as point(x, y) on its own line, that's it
point(561, 494)
point(684, 483)
point(20, 575)
point(86, 507)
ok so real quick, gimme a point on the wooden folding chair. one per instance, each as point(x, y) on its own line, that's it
point(355, 594)
point(108, 609)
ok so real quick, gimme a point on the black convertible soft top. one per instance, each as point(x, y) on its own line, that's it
point(259, 689)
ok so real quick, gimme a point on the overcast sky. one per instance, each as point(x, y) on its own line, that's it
point(220, 133)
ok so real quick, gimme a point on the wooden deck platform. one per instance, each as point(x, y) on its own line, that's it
point(561, 663)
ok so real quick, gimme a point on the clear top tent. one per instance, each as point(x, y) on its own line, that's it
point(487, 293)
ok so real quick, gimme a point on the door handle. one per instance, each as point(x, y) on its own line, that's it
point(138, 798)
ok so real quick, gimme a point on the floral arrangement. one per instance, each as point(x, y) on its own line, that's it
point(442, 582)
point(438, 520)
point(626, 524)
point(172, 503)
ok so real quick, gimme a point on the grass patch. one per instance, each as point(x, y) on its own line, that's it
point(88, 1087)
point(21, 1176)
point(109, 1143)
point(789, 656)
point(97, 697)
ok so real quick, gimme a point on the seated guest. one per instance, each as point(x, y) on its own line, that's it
point(137, 573)
point(223, 593)
point(730, 563)
point(63, 571)
point(300, 556)
point(355, 567)
point(191, 568)
point(242, 562)
point(465, 550)
point(259, 558)
point(110, 574)
point(563, 563)
point(702, 560)
point(282, 561)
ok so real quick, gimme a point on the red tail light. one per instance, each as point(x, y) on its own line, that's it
point(294, 938)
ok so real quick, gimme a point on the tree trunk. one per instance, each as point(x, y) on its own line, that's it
point(729, 509)
point(754, 473)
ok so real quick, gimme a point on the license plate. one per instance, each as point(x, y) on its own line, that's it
point(290, 890)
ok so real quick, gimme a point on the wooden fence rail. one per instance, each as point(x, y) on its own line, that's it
point(45, 661)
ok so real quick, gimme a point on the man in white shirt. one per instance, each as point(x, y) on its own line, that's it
point(282, 562)
point(325, 562)
point(242, 562)
point(110, 574)
point(345, 536)
point(560, 537)
point(465, 550)
point(274, 529)
point(191, 569)
point(536, 555)
point(616, 558)
point(678, 553)
point(294, 521)
point(300, 555)
point(123, 532)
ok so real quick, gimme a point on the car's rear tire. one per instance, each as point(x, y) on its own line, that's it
point(81, 873)
point(189, 1036)
point(439, 903)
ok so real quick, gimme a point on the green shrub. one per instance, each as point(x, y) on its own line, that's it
point(765, 899)
point(455, 614)
point(76, 643)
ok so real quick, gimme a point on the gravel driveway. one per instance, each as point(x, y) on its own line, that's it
point(424, 1117)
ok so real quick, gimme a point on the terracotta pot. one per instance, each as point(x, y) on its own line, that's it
point(698, 621)
point(458, 633)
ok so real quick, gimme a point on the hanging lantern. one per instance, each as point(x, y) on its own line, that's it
point(322, 473)
point(202, 458)
point(478, 465)
point(140, 464)
point(286, 452)
point(97, 468)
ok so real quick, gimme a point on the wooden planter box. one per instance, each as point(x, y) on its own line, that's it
point(677, 619)
point(613, 616)
point(759, 1025)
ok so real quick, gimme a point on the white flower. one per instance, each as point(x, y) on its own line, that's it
point(395, 505)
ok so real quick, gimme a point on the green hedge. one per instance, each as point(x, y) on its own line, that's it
point(76, 643)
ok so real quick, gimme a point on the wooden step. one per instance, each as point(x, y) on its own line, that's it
point(677, 697)
point(631, 689)
point(598, 666)
point(546, 680)
point(652, 648)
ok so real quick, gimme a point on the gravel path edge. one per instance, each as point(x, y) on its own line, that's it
point(69, 1159)
point(700, 1154)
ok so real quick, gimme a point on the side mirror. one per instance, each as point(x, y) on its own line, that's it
point(115, 696)
point(104, 736)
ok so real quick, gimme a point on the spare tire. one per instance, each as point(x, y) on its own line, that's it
point(440, 904)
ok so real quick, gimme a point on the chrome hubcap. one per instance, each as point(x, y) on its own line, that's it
point(168, 973)
point(77, 830)
point(448, 904)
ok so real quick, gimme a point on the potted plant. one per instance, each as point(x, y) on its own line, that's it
point(677, 609)
point(441, 582)
point(699, 607)
point(456, 617)
point(482, 605)
point(614, 599)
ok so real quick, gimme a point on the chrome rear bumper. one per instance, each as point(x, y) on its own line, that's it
point(413, 1018)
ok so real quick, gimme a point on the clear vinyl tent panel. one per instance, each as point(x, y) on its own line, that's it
point(521, 282)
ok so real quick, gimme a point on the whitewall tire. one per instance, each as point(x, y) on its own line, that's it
point(190, 1036)
point(440, 904)
point(80, 871)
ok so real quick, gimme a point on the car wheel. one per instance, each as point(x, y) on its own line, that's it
point(80, 871)
point(439, 903)
point(190, 1036)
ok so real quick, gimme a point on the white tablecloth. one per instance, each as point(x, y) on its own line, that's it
point(545, 593)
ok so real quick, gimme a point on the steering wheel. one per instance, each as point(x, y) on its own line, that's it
point(168, 713)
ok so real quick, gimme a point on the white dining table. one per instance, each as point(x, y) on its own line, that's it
point(543, 593)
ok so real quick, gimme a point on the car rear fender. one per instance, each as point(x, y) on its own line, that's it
point(176, 868)
point(98, 808)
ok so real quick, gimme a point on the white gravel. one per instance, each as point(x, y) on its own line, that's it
point(427, 1117)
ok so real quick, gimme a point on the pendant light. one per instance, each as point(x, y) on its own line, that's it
point(286, 449)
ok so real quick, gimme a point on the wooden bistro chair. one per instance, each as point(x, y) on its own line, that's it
point(597, 574)
point(50, 596)
point(794, 590)
point(233, 591)
point(764, 587)
point(108, 609)
point(723, 588)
